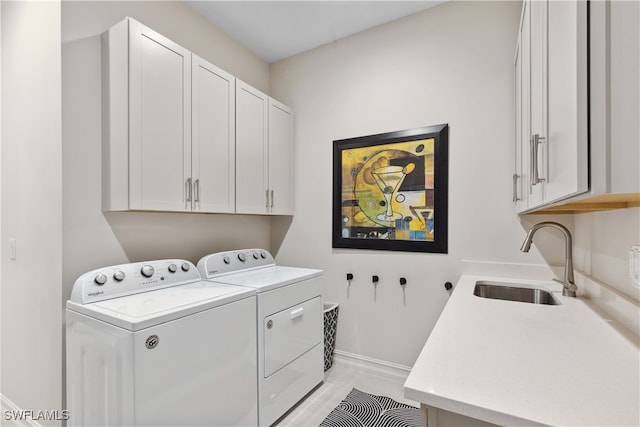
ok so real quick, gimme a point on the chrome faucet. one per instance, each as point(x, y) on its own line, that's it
point(568, 285)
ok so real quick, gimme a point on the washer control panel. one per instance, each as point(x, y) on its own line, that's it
point(222, 263)
point(126, 279)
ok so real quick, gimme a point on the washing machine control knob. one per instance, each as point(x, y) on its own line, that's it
point(147, 271)
point(118, 276)
point(185, 266)
point(255, 255)
point(100, 279)
point(226, 259)
point(242, 257)
point(263, 255)
point(172, 268)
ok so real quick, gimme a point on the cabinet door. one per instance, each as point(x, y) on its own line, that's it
point(523, 149)
point(538, 100)
point(251, 150)
point(213, 138)
point(519, 198)
point(567, 100)
point(281, 179)
point(159, 123)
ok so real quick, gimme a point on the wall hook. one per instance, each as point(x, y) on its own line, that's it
point(448, 286)
point(403, 281)
point(375, 279)
point(349, 276)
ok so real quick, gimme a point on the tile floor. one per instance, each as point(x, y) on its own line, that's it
point(343, 376)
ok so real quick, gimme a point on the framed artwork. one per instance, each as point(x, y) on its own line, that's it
point(390, 191)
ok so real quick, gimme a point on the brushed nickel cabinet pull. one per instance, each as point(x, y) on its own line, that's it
point(535, 174)
point(188, 189)
point(515, 187)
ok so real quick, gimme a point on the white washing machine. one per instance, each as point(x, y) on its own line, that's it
point(290, 324)
point(151, 344)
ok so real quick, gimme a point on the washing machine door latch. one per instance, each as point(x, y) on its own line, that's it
point(269, 324)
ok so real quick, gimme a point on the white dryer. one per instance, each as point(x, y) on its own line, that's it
point(151, 344)
point(290, 324)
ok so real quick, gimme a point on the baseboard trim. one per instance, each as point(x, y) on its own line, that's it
point(7, 405)
point(369, 363)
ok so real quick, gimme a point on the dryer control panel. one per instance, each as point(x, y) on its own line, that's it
point(221, 263)
point(126, 279)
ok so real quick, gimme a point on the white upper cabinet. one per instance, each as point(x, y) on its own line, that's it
point(264, 153)
point(252, 169)
point(567, 87)
point(213, 138)
point(280, 158)
point(168, 141)
point(537, 101)
point(551, 103)
point(521, 106)
point(615, 97)
point(147, 110)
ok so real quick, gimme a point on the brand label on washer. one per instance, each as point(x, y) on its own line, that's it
point(152, 342)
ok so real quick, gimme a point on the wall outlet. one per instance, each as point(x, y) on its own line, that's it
point(634, 265)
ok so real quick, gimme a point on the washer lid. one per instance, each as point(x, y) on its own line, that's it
point(139, 311)
point(267, 278)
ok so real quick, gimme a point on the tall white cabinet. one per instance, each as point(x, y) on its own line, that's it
point(550, 68)
point(264, 150)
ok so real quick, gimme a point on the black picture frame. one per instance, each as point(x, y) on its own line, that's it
point(382, 183)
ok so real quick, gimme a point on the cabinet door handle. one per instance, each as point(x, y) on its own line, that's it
point(267, 197)
point(196, 191)
point(535, 142)
point(515, 187)
point(271, 199)
point(531, 154)
point(188, 189)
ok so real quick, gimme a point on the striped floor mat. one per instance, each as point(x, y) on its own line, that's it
point(360, 409)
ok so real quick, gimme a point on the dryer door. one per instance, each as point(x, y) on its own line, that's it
point(290, 333)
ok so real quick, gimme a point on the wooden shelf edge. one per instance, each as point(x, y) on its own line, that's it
point(593, 204)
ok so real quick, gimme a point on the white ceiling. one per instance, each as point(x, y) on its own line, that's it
point(275, 30)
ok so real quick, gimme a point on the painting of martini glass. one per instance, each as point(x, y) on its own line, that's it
point(387, 189)
point(389, 179)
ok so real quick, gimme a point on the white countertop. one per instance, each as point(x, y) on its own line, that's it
point(513, 363)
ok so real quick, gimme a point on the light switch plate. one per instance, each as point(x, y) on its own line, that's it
point(634, 265)
point(12, 249)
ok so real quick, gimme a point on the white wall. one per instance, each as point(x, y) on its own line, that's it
point(450, 64)
point(173, 19)
point(601, 244)
point(92, 238)
point(31, 201)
